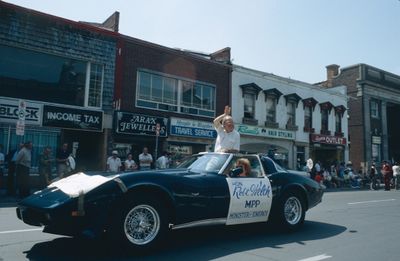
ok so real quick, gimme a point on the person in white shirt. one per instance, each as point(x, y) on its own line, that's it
point(113, 162)
point(163, 161)
point(396, 174)
point(145, 159)
point(130, 164)
point(228, 139)
point(2, 160)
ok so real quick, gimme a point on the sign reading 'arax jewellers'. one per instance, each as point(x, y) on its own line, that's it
point(71, 118)
point(138, 124)
point(318, 138)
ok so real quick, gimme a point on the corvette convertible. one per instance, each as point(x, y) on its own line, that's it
point(138, 209)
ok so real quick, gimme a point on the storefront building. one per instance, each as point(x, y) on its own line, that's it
point(56, 84)
point(374, 107)
point(289, 120)
point(178, 91)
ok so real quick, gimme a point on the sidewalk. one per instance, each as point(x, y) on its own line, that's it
point(7, 201)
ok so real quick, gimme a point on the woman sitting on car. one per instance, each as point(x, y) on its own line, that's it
point(245, 165)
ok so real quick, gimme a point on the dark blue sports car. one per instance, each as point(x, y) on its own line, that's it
point(138, 209)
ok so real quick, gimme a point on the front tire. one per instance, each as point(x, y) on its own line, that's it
point(141, 225)
point(292, 210)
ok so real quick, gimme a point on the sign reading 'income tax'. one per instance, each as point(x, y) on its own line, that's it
point(72, 118)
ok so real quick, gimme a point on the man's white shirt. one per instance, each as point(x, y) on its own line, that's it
point(113, 164)
point(227, 140)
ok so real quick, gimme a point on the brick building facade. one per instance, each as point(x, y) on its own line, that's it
point(181, 91)
point(374, 102)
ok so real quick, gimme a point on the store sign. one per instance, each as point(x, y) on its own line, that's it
point(20, 128)
point(187, 150)
point(325, 139)
point(376, 140)
point(265, 132)
point(11, 112)
point(138, 124)
point(71, 118)
point(191, 128)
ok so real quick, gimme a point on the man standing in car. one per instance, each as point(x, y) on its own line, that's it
point(228, 139)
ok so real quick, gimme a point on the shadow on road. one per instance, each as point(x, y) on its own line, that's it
point(195, 244)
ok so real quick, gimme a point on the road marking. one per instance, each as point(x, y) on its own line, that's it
point(316, 258)
point(20, 231)
point(371, 201)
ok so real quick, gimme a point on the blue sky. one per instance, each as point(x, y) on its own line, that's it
point(290, 38)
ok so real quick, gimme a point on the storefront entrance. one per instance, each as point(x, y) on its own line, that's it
point(89, 147)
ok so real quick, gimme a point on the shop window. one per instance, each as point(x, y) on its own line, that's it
point(45, 77)
point(39, 138)
point(159, 91)
point(301, 160)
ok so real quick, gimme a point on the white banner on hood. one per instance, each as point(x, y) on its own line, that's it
point(79, 183)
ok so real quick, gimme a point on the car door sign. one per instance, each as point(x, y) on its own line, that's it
point(250, 200)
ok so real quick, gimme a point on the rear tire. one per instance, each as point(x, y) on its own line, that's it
point(141, 225)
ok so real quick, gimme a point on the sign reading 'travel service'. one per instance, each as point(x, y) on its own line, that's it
point(192, 128)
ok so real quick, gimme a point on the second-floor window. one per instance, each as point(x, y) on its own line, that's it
point(291, 113)
point(249, 105)
point(324, 120)
point(374, 109)
point(308, 118)
point(338, 123)
point(33, 75)
point(271, 110)
point(165, 92)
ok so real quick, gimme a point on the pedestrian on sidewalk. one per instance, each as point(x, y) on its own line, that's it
point(114, 162)
point(45, 161)
point(11, 158)
point(387, 174)
point(24, 161)
point(145, 159)
point(62, 161)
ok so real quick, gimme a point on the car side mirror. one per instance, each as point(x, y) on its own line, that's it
point(236, 172)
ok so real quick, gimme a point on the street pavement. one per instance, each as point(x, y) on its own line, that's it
point(347, 225)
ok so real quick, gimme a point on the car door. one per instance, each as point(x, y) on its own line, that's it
point(250, 197)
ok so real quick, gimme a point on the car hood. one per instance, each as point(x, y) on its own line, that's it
point(80, 183)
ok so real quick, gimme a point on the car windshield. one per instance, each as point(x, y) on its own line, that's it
point(209, 162)
point(271, 167)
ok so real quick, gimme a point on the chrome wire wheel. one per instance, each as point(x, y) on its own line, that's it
point(293, 210)
point(142, 224)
